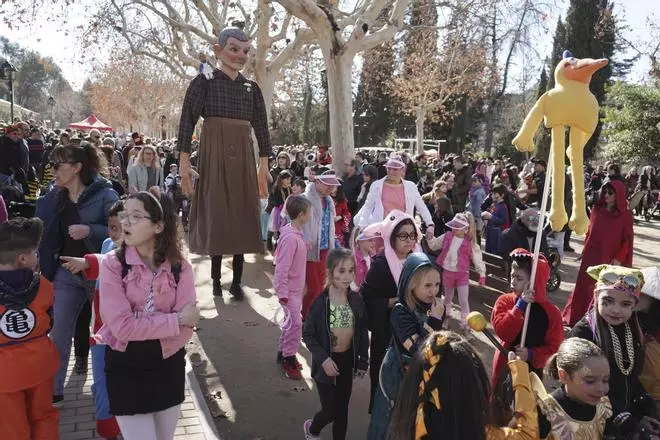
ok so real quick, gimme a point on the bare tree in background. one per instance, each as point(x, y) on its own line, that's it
point(433, 76)
point(511, 24)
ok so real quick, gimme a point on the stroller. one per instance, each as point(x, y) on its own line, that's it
point(555, 244)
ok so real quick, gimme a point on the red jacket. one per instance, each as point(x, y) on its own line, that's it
point(507, 320)
point(341, 225)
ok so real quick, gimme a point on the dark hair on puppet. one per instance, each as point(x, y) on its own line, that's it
point(448, 381)
point(168, 243)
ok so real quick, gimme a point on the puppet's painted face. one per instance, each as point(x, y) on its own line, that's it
point(235, 54)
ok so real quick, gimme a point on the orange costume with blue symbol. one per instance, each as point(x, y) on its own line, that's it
point(28, 358)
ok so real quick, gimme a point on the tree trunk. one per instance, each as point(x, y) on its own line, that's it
point(266, 80)
point(490, 129)
point(419, 126)
point(340, 97)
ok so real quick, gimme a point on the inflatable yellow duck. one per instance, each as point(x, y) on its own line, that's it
point(569, 104)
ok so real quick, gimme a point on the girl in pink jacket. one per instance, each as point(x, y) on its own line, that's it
point(147, 305)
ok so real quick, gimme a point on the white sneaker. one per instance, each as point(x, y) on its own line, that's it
point(309, 436)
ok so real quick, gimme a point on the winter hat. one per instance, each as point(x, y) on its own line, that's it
point(395, 162)
point(651, 285)
point(617, 278)
point(460, 221)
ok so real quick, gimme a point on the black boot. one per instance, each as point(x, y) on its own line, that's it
point(237, 291)
point(217, 288)
point(269, 241)
point(81, 365)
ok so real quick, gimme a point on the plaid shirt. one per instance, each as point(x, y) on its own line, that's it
point(225, 98)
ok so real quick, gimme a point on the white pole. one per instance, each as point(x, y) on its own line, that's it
point(537, 244)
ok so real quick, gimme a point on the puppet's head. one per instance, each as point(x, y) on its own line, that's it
point(233, 48)
point(574, 69)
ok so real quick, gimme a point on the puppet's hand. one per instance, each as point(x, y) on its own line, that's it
point(262, 177)
point(184, 171)
point(523, 143)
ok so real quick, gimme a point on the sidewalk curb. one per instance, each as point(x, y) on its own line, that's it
point(206, 420)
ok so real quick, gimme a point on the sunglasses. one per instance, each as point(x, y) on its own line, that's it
point(629, 281)
point(407, 237)
point(56, 165)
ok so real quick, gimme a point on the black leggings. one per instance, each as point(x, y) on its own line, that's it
point(335, 398)
point(81, 334)
point(236, 265)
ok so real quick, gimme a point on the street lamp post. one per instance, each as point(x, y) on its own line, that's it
point(51, 104)
point(162, 127)
point(7, 70)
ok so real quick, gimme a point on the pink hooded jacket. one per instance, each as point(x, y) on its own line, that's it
point(291, 263)
point(122, 303)
point(386, 229)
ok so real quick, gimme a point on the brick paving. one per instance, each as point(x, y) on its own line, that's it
point(77, 414)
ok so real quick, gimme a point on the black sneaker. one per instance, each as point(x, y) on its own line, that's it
point(58, 401)
point(237, 292)
point(217, 288)
point(81, 365)
point(568, 249)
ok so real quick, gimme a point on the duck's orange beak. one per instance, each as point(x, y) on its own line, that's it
point(583, 69)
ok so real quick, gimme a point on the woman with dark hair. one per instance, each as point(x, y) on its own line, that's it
point(75, 216)
point(444, 395)
point(609, 241)
point(379, 289)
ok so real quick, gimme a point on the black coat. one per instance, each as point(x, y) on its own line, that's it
point(517, 237)
point(316, 335)
point(352, 186)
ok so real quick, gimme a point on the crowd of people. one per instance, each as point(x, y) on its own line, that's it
point(368, 255)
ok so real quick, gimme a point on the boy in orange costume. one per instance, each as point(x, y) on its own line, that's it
point(28, 358)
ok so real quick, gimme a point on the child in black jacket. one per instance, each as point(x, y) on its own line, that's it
point(336, 334)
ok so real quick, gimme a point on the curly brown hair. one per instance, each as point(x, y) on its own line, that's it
point(168, 242)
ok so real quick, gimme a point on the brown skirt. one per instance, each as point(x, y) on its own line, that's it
point(224, 216)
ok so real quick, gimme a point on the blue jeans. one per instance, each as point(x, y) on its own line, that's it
point(265, 221)
point(390, 379)
point(99, 389)
point(71, 293)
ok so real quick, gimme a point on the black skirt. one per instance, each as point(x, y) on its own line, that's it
point(140, 381)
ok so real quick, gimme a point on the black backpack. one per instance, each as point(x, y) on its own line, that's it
point(125, 267)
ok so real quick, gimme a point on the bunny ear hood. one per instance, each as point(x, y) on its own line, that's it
point(387, 228)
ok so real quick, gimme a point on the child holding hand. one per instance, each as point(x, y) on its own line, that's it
point(458, 248)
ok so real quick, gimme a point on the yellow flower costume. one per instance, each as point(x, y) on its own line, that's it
point(569, 104)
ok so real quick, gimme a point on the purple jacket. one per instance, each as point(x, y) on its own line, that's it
point(291, 263)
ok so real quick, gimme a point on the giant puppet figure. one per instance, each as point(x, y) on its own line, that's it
point(571, 104)
point(225, 211)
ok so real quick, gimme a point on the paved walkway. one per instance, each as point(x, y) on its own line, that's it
point(77, 414)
